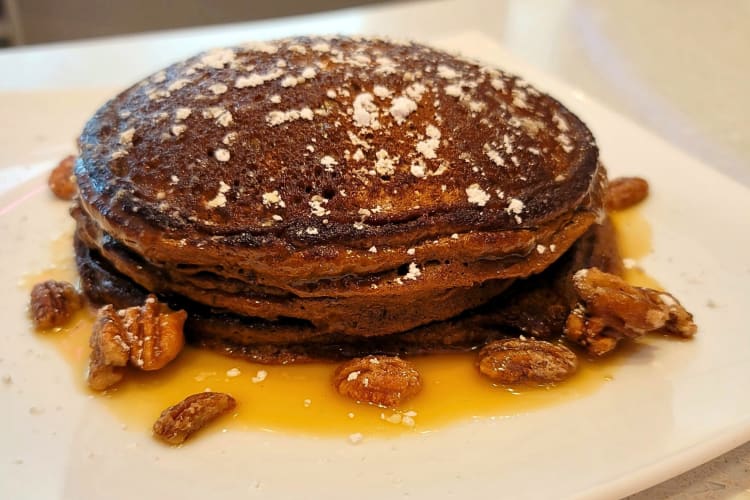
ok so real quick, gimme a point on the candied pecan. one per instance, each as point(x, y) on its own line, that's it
point(178, 422)
point(590, 333)
point(150, 336)
point(517, 361)
point(109, 350)
point(624, 192)
point(154, 333)
point(53, 303)
point(62, 181)
point(611, 309)
point(380, 380)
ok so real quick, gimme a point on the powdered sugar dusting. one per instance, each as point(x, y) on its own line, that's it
point(413, 273)
point(379, 91)
point(316, 206)
point(177, 130)
point(220, 199)
point(218, 88)
point(428, 147)
point(182, 113)
point(218, 58)
point(365, 110)
point(401, 107)
point(272, 198)
point(289, 81)
point(418, 169)
point(408, 113)
point(255, 79)
point(178, 84)
point(321, 47)
point(384, 164)
point(126, 137)
point(328, 162)
point(454, 90)
point(221, 115)
point(477, 195)
point(493, 155)
point(278, 117)
point(221, 154)
point(515, 207)
point(447, 72)
point(259, 46)
point(562, 123)
point(415, 91)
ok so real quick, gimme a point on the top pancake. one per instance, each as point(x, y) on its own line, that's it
point(305, 143)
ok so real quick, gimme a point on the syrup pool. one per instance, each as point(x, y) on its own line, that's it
point(300, 398)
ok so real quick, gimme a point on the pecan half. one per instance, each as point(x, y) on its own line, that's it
point(154, 333)
point(519, 361)
point(109, 350)
point(381, 380)
point(624, 192)
point(53, 303)
point(148, 336)
point(610, 309)
point(62, 181)
point(178, 422)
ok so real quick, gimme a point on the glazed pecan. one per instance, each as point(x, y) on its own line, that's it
point(624, 192)
point(53, 303)
point(148, 336)
point(381, 380)
point(62, 181)
point(154, 333)
point(109, 350)
point(178, 422)
point(610, 309)
point(519, 361)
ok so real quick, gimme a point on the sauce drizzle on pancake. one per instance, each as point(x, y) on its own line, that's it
point(300, 398)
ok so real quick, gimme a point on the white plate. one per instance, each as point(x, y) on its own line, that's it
point(668, 408)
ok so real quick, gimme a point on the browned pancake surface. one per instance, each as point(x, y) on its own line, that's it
point(328, 147)
point(340, 187)
point(536, 307)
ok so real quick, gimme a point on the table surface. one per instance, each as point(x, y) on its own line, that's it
point(678, 68)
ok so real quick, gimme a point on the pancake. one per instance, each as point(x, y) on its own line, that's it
point(358, 187)
point(536, 307)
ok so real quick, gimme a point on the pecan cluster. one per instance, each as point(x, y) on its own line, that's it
point(610, 309)
point(146, 337)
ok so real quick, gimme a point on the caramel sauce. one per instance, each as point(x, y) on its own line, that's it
point(634, 242)
point(301, 399)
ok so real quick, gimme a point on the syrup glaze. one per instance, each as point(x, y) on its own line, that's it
point(301, 399)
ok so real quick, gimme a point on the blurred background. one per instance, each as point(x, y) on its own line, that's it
point(26, 22)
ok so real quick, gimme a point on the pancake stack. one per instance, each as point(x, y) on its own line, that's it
point(323, 196)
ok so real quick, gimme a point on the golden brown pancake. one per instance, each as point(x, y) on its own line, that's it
point(536, 307)
point(357, 186)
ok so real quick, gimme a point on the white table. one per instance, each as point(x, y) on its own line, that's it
point(677, 68)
